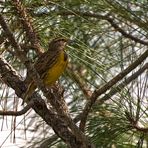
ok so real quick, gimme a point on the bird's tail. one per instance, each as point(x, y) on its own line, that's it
point(29, 91)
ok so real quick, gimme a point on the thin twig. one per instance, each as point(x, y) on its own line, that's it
point(134, 124)
point(83, 86)
point(17, 113)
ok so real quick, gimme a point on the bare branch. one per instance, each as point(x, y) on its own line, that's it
point(17, 113)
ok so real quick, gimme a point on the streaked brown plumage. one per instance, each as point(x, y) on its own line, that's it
point(50, 65)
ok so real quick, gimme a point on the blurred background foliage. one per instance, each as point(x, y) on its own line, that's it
point(99, 51)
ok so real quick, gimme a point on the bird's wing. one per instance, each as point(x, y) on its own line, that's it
point(45, 62)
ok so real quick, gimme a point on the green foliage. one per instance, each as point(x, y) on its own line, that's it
point(99, 51)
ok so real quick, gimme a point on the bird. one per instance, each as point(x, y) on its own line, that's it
point(50, 65)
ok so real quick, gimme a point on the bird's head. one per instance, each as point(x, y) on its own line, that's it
point(57, 44)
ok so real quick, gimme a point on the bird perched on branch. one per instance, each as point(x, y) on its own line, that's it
point(50, 65)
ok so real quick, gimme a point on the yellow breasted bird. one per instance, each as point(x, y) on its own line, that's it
point(50, 65)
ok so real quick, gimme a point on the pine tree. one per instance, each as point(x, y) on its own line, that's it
point(104, 85)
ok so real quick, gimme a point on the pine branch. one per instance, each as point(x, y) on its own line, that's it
point(135, 125)
point(123, 84)
point(107, 86)
point(107, 18)
point(17, 113)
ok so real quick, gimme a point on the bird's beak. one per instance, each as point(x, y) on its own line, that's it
point(70, 42)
